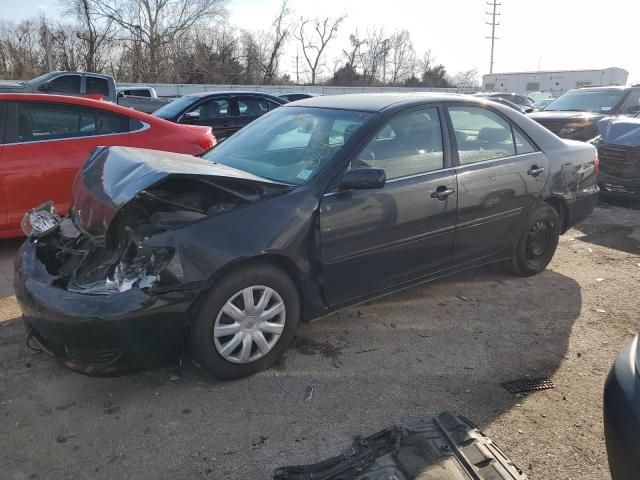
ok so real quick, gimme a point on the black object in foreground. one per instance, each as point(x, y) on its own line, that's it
point(446, 447)
point(527, 385)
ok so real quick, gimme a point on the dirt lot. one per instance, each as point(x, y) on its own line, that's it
point(447, 345)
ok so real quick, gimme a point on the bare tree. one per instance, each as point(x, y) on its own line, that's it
point(273, 44)
point(154, 24)
point(94, 31)
point(402, 56)
point(355, 49)
point(465, 79)
point(314, 35)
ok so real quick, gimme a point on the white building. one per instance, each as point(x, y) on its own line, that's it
point(553, 82)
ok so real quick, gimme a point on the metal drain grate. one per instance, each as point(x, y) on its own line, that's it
point(527, 385)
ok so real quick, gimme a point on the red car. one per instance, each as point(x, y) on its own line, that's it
point(44, 139)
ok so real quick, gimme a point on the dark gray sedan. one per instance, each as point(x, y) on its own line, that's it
point(316, 206)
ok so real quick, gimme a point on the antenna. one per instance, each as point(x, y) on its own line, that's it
point(493, 14)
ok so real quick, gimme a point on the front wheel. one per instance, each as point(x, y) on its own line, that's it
point(246, 323)
point(537, 243)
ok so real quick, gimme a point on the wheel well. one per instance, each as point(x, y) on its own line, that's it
point(563, 212)
point(279, 261)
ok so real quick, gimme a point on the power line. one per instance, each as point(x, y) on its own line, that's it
point(493, 14)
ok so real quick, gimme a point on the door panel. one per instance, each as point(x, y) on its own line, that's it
point(492, 197)
point(501, 175)
point(374, 239)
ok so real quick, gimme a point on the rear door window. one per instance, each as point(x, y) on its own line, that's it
point(210, 110)
point(66, 84)
point(98, 85)
point(253, 106)
point(49, 121)
point(481, 134)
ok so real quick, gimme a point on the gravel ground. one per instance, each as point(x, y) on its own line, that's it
point(443, 346)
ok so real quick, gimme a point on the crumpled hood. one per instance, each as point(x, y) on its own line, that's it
point(620, 131)
point(113, 176)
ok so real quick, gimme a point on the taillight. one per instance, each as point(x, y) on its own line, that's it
point(207, 142)
point(596, 161)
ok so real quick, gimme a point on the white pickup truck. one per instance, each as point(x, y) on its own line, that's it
point(141, 98)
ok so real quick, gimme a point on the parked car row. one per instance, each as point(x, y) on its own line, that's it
point(608, 118)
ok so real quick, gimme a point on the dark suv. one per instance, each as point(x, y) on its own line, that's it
point(575, 115)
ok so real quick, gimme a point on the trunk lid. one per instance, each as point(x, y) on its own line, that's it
point(113, 176)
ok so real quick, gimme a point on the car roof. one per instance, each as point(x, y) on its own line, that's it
point(610, 88)
point(230, 92)
point(376, 102)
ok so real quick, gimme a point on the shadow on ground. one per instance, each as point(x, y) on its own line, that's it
point(443, 346)
point(622, 234)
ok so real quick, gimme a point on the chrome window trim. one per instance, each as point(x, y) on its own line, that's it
point(145, 126)
point(445, 170)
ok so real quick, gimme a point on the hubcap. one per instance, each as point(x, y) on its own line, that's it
point(538, 240)
point(249, 324)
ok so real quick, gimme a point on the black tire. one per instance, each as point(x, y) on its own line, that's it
point(537, 243)
point(201, 337)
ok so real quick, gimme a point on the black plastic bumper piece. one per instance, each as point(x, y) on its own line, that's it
point(446, 447)
point(622, 415)
point(100, 334)
point(581, 207)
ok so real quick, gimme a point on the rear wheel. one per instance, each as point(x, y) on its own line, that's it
point(537, 243)
point(246, 323)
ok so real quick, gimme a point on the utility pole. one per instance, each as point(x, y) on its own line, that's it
point(493, 23)
point(385, 50)
point(297, 60)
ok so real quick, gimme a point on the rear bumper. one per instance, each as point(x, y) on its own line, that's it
point(622, 415)
point(580, 207)
point(99, 334)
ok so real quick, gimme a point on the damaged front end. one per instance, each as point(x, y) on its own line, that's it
point(124, 197)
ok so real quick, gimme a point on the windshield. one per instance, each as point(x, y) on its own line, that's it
point(172, 109)
point(596, 101)
point(289, 145)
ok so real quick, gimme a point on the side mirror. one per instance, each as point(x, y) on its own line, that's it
point(529, 109)
point(120, 94)
point(45, 87)
point(190, 117)
point(363, 179)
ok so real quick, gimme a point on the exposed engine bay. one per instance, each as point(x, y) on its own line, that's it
point(84, 265)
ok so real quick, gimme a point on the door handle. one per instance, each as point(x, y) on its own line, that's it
point(442, 192)
point(534, 171)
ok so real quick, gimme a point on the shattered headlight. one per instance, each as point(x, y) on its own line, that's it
point(40, 220)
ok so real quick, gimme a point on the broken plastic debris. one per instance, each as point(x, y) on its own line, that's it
point(599, 310)
point(308, 393)
point(599, 279)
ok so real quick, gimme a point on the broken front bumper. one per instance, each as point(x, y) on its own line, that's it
point(100, 334)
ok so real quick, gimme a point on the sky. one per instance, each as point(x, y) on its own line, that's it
point(550, 34)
